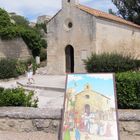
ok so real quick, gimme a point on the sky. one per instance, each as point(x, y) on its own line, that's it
point(31, 9)
point(100, 83)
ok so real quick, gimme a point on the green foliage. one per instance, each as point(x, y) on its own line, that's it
point(128, 90)
point(32, 37)
point(33, 40)
point(11, 68)
point(10, 32)
point(111, 63)
point(44, 43)
point(17, 97)
point(111, 12)
point(20, 20)
point(129, 9)
point(1, 89)
point(41, 26)
point(4, 19)
point(8, 69)
point(21, 67)
point(43, 54)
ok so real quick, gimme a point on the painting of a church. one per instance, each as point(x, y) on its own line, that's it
point(76, 31)
point(90, 109)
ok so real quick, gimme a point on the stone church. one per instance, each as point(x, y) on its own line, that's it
point(76, 31)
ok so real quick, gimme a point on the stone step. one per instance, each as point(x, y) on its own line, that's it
point(41, 87)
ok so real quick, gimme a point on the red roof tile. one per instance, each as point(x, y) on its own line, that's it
point(101, 14)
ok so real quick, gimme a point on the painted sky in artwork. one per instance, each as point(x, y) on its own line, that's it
point(102, 83)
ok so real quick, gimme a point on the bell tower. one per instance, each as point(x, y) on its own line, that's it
point(66, 3)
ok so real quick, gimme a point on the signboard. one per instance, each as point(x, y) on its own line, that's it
point(90, 108)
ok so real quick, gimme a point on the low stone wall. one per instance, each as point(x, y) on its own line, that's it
point(49, 121)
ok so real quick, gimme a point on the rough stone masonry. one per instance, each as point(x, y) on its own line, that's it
point(48, 121)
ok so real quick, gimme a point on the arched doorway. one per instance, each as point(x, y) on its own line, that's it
point(69, 53)
point(87, 109)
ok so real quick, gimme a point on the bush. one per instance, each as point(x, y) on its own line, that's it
point(21, 67)
point(43, 54)
point(11, 68)
point(128, 90)
point(17, 97)
point(4, 19)
point(111, 63)
point(8, 69)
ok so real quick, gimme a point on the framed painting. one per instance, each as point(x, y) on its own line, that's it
point(90, 111)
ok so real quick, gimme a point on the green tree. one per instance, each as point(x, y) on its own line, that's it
point(4, 19)
point(31, 36)
point(41, 26)
point(111, 12)
point(129, 9)
point(20, 20)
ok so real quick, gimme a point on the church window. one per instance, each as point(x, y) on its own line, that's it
point(87, 96)
point(70, 24)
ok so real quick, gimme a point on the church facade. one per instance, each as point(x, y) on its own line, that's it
point(76, 31)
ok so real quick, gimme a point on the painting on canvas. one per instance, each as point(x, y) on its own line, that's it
point(90, 108)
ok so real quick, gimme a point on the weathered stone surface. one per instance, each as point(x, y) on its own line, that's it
point(27, 136)
point(27, 113)
point(35, 113)
point(47, 121)
point(15, 48)
point(130, 127)
point(29, 125)
point(16, 125)
point(129, 115)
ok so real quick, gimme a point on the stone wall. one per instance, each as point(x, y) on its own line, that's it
point(15, 48)
point(27, 120)
point(117, 38)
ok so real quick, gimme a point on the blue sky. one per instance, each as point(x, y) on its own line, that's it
point(31, 9)
point(102, 83)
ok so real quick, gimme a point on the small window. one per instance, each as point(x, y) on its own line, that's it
point(69, 1)
point(87, 96)
point(70, 24)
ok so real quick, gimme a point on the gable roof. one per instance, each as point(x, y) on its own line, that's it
point(101, 14)
point(94, 92)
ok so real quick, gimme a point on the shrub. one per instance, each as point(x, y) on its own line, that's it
point(21, 67)
point(10, 32)
point(43, 54)
point(4, 19)
point(8, 69)
point(128, 90)
point(17, 97)
point(11, 68)
point(111, 63)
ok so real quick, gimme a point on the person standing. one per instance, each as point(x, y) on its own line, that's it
point(30, 74)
